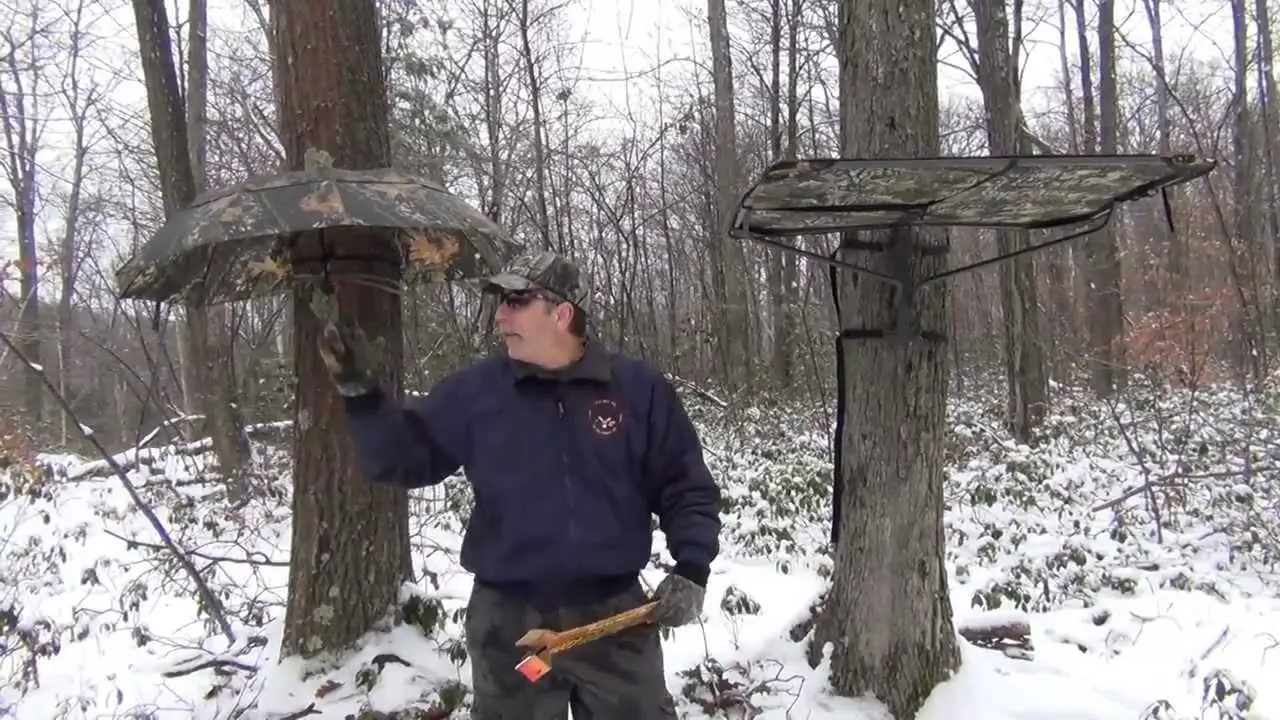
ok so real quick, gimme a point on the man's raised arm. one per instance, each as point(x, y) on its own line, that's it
point(411, 446)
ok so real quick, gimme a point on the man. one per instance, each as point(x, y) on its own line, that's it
point(570, 450)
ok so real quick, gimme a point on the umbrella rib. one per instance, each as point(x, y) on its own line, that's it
point(366, 280)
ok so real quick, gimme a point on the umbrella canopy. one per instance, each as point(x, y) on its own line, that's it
point(245, 240)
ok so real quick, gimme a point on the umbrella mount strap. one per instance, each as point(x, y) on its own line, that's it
point(324, 301)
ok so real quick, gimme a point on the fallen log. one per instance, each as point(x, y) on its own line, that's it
point(1007, 632)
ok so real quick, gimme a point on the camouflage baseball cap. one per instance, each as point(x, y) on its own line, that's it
point(543, 270)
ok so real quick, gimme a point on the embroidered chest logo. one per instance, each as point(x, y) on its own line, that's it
point(605, 416)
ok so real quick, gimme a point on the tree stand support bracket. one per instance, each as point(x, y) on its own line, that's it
point(851, 196)
point(906, 287)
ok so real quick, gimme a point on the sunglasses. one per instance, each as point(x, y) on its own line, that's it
point(517, 299)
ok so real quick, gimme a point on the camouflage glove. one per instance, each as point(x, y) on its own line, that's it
point(679, 601)
point(348, 355)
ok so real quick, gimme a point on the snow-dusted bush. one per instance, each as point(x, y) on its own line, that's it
point(1165, 488)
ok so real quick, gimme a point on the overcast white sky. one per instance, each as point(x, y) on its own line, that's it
point(630, 35)
point(620, 38)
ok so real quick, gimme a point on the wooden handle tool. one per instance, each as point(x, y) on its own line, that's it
point(543, 644)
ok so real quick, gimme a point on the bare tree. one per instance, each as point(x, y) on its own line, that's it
point(728, 262)
point(1269, 120)
point(639, 202)
point(783, 140)
point(1174, 244)
point(27, 56)
point(208, 381)
point(541, 218)
point(1247, 218)
point(1026, 374)
point(1102, 266)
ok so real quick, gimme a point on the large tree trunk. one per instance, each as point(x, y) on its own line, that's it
point(782, 144)
point(69, 263)
point(350, 537)
point(491, 40)
point(888, 614)
point(1061, 326)
point(789, 335)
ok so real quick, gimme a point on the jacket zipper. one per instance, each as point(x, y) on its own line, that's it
point(564, 468)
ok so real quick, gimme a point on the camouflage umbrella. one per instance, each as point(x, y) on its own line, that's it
point(259, 237)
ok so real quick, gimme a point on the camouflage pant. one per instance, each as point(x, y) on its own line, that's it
point(619, 677)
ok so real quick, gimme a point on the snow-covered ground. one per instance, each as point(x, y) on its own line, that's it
point(1127, 620)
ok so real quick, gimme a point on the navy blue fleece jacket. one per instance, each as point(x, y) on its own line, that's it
point(567, 470)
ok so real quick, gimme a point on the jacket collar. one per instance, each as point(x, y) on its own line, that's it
point(593, 365)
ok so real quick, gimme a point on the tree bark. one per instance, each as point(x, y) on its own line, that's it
point(1061, 328)
point(888, 614)
point(350, 537)
point(69, 252)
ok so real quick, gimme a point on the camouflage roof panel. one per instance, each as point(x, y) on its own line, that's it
point(834, 195)
point(237, 242)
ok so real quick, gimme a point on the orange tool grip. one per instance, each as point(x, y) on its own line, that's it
point(533, 668)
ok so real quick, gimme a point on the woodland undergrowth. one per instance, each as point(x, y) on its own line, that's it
point(1166, 487)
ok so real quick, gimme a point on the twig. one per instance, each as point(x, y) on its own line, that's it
point(1164, 481)
point(1142, 465)
point(210, 600)
point(1144, 488)
point(168, 424)
point(264, 561)
point(304, 712)
point(676, 379)
point(138, 455)
point(1274, 644)
point(214, 663)
point(1004, 445)
point(1222, 636)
